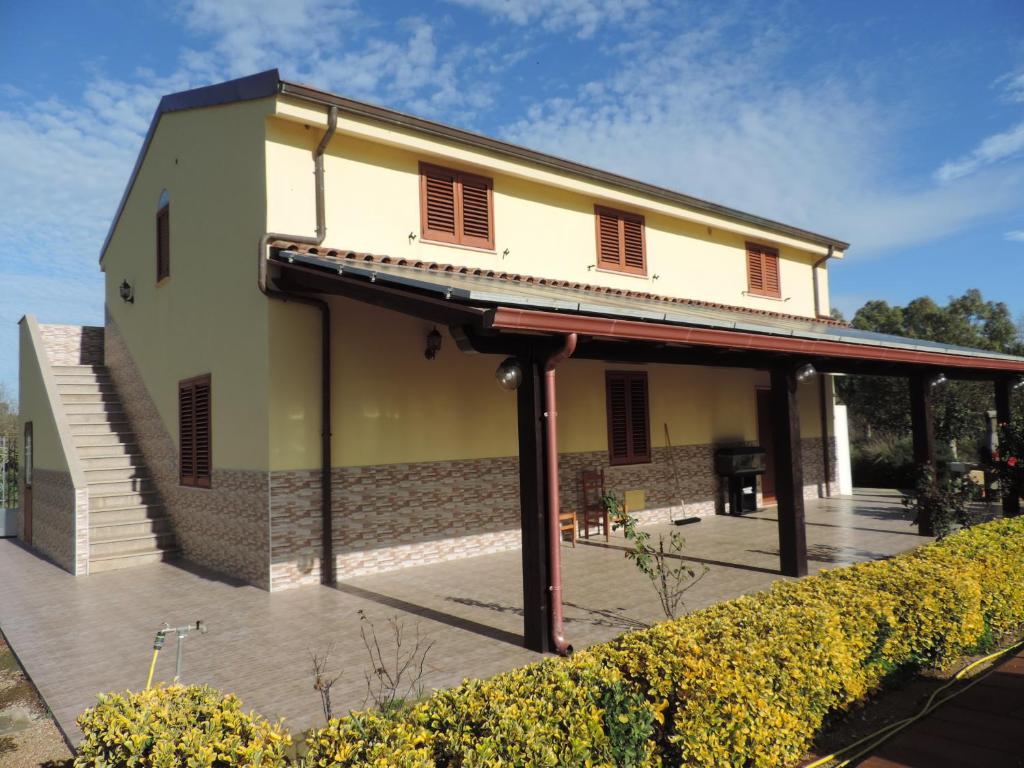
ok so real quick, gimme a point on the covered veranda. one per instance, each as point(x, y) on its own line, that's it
point(539, 323)
point(78, 637)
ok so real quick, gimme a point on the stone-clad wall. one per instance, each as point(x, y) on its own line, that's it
point(73, 344)
point(53, 516)
point(392, 516)
point(223, 527)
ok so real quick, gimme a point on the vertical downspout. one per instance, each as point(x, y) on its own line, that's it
point(326, 518)
point(814, 278)
point(554, 529)
point(826, 448)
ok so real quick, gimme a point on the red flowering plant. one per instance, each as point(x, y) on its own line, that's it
point(1007, 462)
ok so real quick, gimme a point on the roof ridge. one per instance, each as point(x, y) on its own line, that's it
point(433, 266)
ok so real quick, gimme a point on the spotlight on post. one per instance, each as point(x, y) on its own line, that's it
point(509, 374)
point(938, 381)
point(805, 372)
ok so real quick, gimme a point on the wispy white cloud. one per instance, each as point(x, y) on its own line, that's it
point(584, 17)
point(1015, 235)
point(1006, 145)
point(685, 112)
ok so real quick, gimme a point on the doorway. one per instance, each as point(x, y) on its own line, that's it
point(26, 497)
point(766, 441)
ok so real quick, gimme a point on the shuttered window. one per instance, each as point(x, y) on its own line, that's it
point(163, 243)
point(194, 431)
point(763, 271)
point(456, 207)
point(629, 433)
point(620, 241)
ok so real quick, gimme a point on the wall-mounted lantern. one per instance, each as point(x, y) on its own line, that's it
point(433, 344)
point(509, 374)
point(805, 372)
point(127, 292)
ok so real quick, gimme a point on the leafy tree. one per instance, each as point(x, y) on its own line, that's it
point(880, 405)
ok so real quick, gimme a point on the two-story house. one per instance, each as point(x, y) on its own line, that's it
point(338, 339)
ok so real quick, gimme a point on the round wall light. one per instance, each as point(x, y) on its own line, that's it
point(509, 374)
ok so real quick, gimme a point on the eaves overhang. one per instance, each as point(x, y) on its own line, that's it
point(538, 308)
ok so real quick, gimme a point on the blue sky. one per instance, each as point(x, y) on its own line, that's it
point(896, 126)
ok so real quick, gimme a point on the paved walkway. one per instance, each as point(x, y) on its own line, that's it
point(981, 728)
point(76, 637)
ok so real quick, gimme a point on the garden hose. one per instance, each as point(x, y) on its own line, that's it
point(158, 643)
point(884, 734)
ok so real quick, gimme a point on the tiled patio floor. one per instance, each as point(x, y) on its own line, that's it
point(76, 637)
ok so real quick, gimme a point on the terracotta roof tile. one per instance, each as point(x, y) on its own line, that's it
point(342, 254)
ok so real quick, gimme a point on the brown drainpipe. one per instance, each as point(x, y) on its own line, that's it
point(554, 506)
point(326, 517)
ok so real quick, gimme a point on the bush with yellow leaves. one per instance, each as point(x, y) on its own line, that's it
point(193, 726)
point(747, 682)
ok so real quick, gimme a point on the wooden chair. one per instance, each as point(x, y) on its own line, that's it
point(594, 511)
point(567, 524)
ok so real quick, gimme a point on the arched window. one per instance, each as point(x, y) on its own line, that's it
point(163, 237)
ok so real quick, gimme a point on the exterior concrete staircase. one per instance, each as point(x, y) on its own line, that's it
point(127, 524)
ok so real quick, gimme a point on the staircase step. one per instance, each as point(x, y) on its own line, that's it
point(109, 407)
point(123, 460)
point(131, 545)
point(79, 398)
point(104, 488)
point(100, 564)
point(97, 418)
point(64, 369)
point(81, 378)
point(114, 474)
point(129, 513)
point(110, 428)
point(111, 440)
point(120, 500)
point(129, 529)
point(112, 450)
point(86, 389)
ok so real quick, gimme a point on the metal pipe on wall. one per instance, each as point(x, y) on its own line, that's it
point(326, 505)
point(554, 505)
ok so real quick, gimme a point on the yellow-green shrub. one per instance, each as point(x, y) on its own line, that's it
point(193, 726)
point(743, 683)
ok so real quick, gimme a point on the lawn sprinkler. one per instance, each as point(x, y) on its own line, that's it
point(158, 643)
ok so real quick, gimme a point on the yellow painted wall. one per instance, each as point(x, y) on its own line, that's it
point(391, 405)
point(209, 316)
point(544, 219)
point(34, 406)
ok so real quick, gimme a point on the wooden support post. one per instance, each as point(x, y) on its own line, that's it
point(532, 484)
point(789, 474)
point(923, 427)
point(1004, 414)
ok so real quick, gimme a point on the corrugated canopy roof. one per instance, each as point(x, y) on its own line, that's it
point(537, 297)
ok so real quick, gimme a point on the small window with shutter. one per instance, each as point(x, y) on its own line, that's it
point(620, 241)
point(163, 237)
point(456, 207)
point(194, 431)
point(763, 271)
point(629, 434)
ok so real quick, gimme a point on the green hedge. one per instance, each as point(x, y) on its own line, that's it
point(742, 683)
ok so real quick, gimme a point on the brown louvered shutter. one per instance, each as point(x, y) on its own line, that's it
point(608, 241)
point(438, 204)
point(186, 434)
point(194, 432)
point(633, 244)
point(763, 271)
point(620, 241)
point(477, 224)
point(618, 424)
point(629, 440)
point(639, 420)
point(202, 432)
point(163, 243)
